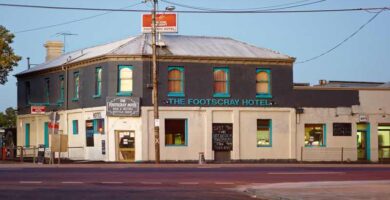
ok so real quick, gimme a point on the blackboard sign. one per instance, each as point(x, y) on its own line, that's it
point(41, 154)
point(123, 106)
point(222, 137)
point(342, 129)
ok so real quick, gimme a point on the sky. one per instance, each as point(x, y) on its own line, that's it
point(364, 57)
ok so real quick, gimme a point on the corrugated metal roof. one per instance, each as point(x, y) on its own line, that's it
point(176, 45)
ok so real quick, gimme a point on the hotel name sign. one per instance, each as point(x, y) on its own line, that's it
point(219, 102)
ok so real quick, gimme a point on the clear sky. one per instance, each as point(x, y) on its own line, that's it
point(365, 57)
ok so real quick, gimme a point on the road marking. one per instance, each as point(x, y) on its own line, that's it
point(30, 182)
point(151, 183)
point(188, 183)
point(224, 183)
point(113, 182)
point(72, 182)
point(303, 173)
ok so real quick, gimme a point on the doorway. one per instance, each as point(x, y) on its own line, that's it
point(384, 141)
point(363, 144)
point(125, 145)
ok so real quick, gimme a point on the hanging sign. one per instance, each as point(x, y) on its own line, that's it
point(165, 23)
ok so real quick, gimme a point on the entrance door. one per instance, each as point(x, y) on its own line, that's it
point(362, 141)
point(384, 141)
point(46, 134)
point(222, 141)
point(125, 145)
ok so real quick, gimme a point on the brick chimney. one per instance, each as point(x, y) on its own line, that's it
point(53, 49)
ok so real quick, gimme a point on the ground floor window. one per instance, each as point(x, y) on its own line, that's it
point(175, 132)
point(384, 141)
point(315, 135)
point(264, 134)
point(98, 126)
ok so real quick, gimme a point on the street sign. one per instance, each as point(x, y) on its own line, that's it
point(38, 109)
point(165, 23)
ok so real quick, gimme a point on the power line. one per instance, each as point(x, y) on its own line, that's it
point(72, 21)
point(342, 42)
point(274, 7)
point(201, 12)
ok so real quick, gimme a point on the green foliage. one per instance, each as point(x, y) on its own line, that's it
point(8, 118)
point(8, 59)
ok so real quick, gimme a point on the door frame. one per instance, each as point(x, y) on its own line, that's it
point(368, 139)
point(116, 135)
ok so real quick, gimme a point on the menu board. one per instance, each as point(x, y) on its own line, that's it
point(222, 136)
point(342, 129)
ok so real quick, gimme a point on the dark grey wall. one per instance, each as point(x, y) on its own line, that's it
point(198, 84)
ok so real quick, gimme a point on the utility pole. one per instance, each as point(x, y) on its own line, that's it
point(155, 87)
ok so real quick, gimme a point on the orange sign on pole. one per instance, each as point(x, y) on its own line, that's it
point(166, 23)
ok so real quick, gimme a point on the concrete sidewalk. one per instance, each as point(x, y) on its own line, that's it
point(14, 164)
point(320, 190)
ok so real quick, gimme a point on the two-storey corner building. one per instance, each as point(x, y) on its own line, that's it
point(225, 98)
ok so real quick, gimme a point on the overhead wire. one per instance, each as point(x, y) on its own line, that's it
point(274, 7)
point(202, 12)
point(70, 22)
point(342, 42)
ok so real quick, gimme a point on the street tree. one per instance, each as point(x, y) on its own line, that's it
point(8, 59)
point(8, 118)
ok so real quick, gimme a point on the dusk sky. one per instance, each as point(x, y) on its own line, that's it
point(364, 57)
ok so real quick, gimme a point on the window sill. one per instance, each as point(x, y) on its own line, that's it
point(221, 95)
point(176, 145)
point(96, 96)
point(176, 94)
point(307, 146)
point(265, 96)
point(75, 99)
point(259, 146)
point(123, 93)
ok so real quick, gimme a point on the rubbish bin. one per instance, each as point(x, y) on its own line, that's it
point(201, 158)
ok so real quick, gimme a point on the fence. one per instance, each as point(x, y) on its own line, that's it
point(341, 154)
point(23, 153)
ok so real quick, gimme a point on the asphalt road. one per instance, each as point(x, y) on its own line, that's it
point(166, 182)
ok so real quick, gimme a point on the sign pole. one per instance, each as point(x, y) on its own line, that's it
point(155, 87)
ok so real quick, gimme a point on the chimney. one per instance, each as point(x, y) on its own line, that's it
point(53, 49)
point(323, 82)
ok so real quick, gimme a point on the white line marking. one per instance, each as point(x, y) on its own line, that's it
point(223, 183)
point(151, 183)
point(72, 182)
point(112, 182)
point(188, 183)
point(30, 182)
point(302, 173)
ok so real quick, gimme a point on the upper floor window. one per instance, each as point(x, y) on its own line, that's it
point(28, 93)
point(62, 89)
point(125, 80)
point(47, 89)
point(176, 81)
point(221, 82)
point(98, 82)
point(263, 83)
point(76, 92)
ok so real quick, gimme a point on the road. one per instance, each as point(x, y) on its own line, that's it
point(150, 181)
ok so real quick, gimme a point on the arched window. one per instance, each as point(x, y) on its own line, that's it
point(263, 83)
point(175, 81)
point(221, 82)
point(125, 80)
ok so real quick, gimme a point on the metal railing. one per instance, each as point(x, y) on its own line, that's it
point(30, 153)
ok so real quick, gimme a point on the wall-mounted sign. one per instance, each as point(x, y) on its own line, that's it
point(220, 102)
point(38, 109)
point(222, 137)
point(342, 129)
point(97, 115)
point(123, 106)
point(165, 23)
point(363, 118)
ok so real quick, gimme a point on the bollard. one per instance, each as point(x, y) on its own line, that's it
point(202, 160)
point(34, 155)
point(342, 154)
point(21, 154)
